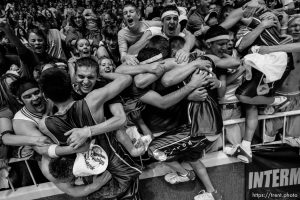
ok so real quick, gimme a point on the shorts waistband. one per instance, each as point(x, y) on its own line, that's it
point(231, 105)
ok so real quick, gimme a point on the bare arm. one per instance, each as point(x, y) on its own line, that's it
point(234, 17)
point(75, 190)
point(154, 68)
point(232, 77)
point(164, 102)
point(289, 48)
point(144, 80)
point(249, 38)
point(79, 136)
point(226, 62)
point(190, 40)
point(98, 97)
point(140, 44)
point(181, 71)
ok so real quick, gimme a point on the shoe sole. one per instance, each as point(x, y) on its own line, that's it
point(243, 156)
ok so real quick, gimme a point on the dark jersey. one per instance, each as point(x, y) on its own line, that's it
point(124, 171)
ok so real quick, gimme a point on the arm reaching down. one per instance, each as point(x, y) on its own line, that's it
point(78, 136)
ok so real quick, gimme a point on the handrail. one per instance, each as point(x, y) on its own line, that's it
point(209, 158)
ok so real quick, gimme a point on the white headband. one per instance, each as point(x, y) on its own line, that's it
point(220, 37)
point(169, 12)
point(151, 60)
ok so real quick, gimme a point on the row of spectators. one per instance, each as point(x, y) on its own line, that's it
point(97, 90)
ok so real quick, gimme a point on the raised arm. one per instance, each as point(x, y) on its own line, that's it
point(234, 17)
point(98, 97)
point(140, 44)
point(247, 40)
point(182, 55)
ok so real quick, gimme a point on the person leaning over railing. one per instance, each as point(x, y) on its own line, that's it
point(290, 87)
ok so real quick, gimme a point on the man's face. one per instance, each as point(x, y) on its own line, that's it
point(86, 78)
point(230, 44)
point(169, 2)
point(84, 47)
point(37, 43)
point(170, 23)
point(78, 19)
point(33, 100)
point(131, 17)
point(218, 48)
point(294, 29)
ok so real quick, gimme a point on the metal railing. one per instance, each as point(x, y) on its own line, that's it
point(262, 118)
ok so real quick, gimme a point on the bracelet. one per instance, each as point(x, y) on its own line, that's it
point(285, 7)
point(51, 151)
point(220, 84)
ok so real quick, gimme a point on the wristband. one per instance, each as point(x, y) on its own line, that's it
point(220, 84)
point(51, 151)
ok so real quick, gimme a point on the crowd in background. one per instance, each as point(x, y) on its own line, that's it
point(147, 74)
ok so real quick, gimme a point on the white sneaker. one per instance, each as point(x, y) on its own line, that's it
point(174, 178)
point(204, 196)
point(244, 155)
point(231, 151)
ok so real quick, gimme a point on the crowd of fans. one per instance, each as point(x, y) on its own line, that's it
point(122, 84)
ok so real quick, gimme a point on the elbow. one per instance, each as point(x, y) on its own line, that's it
point(140, 83)
point(166, 82)
point(122, 121)
point(127, 80)
point(5, 139)
point(163, 105)
point(240, 48)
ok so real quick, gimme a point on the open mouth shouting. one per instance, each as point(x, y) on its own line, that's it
point(130, 22)
point(38, 104)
